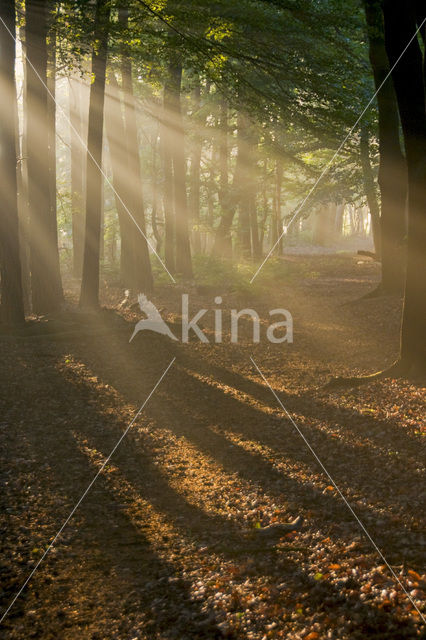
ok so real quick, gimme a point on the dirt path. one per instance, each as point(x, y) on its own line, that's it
point(161, 547)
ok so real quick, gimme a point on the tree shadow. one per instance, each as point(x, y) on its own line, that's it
point(166, 408)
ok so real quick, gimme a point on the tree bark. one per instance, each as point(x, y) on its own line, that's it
point(89, 295)
point(228, 193)
point(155, 202)
point(166, 152)
point(245, 195)
point(46, 285)
point(51, 130)
point(408, 78)
point(183, 250)
point(142, 280)
point(23, 207)
point(392, 169)
point(370, 190)
point(77, 175)
point(278, 221)
point(115, 131)
point(196, 150)
point(12, 307)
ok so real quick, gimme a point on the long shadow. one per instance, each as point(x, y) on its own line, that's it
point(121, 547)
point(132, 458)
point(96, 425)
point(222, 408)
point(304, 403)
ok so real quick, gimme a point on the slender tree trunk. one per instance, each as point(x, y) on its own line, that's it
point(408, 78)
point(23, 207)
point(338, 225)
point(370, 190)
point(254, 226)
point(278, 187)
point(77, 175)
point(196, 150)
point(114, 128)
point(51, 130)
point(183, 251)
point(265, 208)
point(12, 307)
point(46, 285)
point(166, 152)
point(89, 295)
point(392, 168)
point(245, 183)
point(155, 203)
point(142, 273)
point(228, 194)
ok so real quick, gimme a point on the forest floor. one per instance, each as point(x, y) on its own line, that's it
point(165, 545)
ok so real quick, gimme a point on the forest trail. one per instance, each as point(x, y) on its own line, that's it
point(160, 548)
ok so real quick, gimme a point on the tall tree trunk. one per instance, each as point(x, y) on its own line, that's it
point(166, 152)
point(51, 129)
point(183, 250)
point(196, 150)
point(115, 131)
point(244, 148)
point(228, 194)
point(46, 285)
point(12, 307)
point(89, 295)
point(254, 226)
point(265, 207)
point(155, 201)
point(370, 190)
point(408, 78)
point(392, 168)
point(23, 208)
point(279, 223)
point(77, 174)
point(142, 273)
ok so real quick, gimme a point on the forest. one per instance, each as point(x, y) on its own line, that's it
point(212, 319)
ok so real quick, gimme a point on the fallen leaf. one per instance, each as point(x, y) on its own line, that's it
point(414, 574)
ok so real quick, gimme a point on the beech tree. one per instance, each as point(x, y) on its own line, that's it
point(392, 168)
point(89, 295)
point(46, 287)
point(12, 308)
point(401, 23)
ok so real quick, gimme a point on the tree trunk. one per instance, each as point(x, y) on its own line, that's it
point(142, 273)
point(154, 182)
point(114, 128)
point(265, 207)
point(51, 130)
point(392, 169)
point(254, 226)
point(166, 152)
point(12, 307)
point(244, 227)
point(278, 221)
point(408, 78)
point(23, 208)
point(77, 175)
point(89, 295)
point(46, 285)
point(228, 194)
point(183, 251)
point(196, 150)
point(370, 190)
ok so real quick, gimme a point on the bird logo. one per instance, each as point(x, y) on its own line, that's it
point(153, 321)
